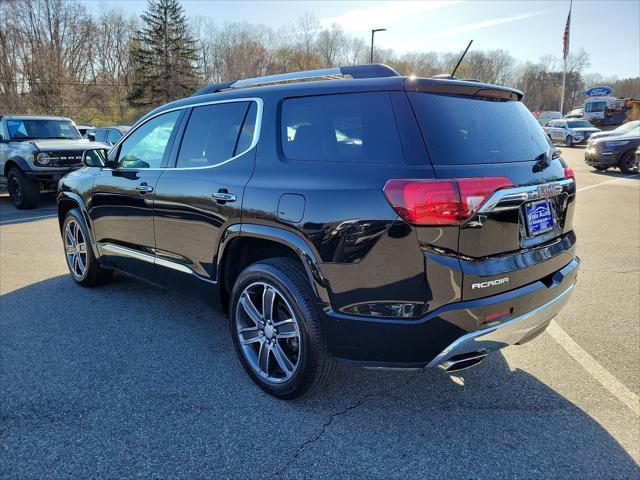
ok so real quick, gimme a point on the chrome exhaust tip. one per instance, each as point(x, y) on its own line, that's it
point(461, 362)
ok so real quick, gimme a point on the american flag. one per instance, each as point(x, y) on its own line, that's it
point(565, 37)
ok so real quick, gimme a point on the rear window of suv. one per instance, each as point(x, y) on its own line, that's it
point(466, 130)
point(345, 128)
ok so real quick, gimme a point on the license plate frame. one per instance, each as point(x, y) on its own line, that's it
point(539, 219)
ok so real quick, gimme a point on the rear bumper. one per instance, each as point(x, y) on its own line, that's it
point(452, 330)
point(513, 332)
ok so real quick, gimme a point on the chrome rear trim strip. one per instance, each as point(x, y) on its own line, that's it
point(512, 198)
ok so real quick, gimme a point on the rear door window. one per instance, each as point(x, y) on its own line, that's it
point(344, 128)
point(213, 134)
point(467, 130)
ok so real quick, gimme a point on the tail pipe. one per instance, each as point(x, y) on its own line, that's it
point(460, 362)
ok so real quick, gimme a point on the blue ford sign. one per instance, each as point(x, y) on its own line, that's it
point(598, 91)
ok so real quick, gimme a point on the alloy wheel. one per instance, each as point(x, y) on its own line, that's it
point(14, 189)
point(76, 249)
point(268, 332)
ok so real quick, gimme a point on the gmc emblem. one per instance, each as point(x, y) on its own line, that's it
point(549, 190)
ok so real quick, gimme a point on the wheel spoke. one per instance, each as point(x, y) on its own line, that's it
point(283, 361)
point(249, 335)
point(70, 249)
point(76, 232)
point(70, 239)
point(75, 264)
point(80, 264)
point(268, 297)
point(286, 328)
point(250, 309)
point(263, 358)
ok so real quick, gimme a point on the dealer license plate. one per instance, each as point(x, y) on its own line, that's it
point(539, 217)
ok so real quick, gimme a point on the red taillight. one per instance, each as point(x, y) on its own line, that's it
point(568, 173)
point(441, 202)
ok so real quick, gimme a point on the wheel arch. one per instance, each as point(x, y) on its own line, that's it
point(15, 162)
point(68, 201)
point(251, 243)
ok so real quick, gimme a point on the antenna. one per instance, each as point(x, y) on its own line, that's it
point(453, 74)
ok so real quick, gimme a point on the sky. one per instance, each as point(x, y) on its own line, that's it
point(609, 30)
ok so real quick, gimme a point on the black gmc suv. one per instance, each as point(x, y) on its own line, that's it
point(346, 214)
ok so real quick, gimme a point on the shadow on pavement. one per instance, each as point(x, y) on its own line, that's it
point(128, 379)
point(615, 174)
point(10, 214)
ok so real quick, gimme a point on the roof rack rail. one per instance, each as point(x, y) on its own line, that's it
point(376, 70)
point(444, 76)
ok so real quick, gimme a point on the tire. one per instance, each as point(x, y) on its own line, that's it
point(83, 266)
point(628, 163)
point(262, 340)
point(24, 192)
point(602, 169)
point(568, 141)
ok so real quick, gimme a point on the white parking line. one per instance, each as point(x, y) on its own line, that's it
point(608, 181)
point(20, 220)
point(597, 371)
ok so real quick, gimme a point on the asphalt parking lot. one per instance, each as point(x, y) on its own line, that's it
point(132, 380)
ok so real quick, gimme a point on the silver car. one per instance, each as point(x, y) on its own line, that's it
point(570, 132)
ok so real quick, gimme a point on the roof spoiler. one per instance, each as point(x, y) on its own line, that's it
point(376, 70)
point(471, 88)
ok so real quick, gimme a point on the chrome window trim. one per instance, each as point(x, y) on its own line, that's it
point(512, 198)
point(254, 142)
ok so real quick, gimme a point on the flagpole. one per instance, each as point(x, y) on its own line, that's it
point(564, 80)
point(565, 54)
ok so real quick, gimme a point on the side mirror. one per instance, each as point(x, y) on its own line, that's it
point(91, 136)
point(95, 158)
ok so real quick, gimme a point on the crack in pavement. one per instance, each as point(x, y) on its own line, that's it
point(282, 470)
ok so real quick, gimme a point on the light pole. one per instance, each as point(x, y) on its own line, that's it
point(373, 32)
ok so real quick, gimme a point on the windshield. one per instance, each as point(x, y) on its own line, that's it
point(627, 127)
point(466, 130)
point(634, 132)
point(579, 124)
point(38, 129)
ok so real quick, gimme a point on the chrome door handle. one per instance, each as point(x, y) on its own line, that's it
point(144, 188)
point(224, 197)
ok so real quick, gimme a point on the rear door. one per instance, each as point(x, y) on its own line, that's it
point(121, 206)
point(202, 194)
point(520, 203)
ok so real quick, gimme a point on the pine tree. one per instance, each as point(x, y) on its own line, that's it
point(164, 55)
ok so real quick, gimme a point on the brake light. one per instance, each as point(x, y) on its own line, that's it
point(441, 202)
point(568, 173)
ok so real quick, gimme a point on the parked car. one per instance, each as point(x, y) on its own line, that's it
point(621, 130)
point(331, 223)
point(109, 135)
point(83, 129)
point(575, 113)
point(35, 152)
point(570, 132)
point(616, 151)
point(546, 116)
